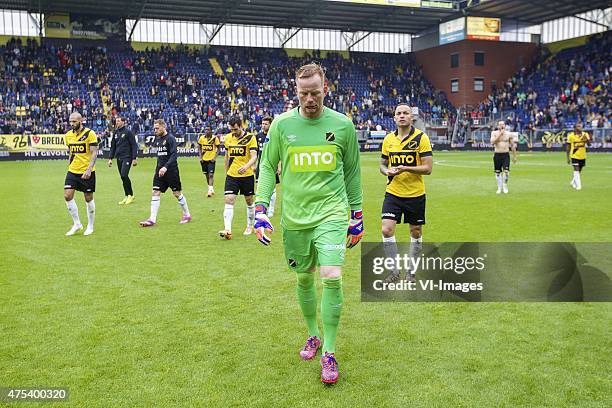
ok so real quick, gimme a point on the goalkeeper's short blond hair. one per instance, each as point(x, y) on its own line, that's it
point(310, 70)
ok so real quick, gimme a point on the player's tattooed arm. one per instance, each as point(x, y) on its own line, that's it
point(92, 162)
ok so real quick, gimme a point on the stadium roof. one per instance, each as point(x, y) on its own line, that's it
point(534, 11)
point(322, 14)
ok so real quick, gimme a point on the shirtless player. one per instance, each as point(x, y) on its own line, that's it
point(502, 141)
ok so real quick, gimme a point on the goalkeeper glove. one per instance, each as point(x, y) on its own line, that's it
point(355, 229)
point(262, 224)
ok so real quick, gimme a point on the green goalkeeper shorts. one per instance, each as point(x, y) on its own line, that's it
point(323, 245)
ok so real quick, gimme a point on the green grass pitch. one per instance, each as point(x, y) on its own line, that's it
point(173, 315)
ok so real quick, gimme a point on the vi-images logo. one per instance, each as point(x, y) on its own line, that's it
point(312, 158)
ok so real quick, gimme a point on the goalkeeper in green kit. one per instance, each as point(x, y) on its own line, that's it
point(320, 183)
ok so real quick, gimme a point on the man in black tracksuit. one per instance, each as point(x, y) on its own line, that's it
point(166, 174)
point(125, 149)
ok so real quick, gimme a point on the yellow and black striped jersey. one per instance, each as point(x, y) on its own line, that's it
point(577, 142)
point(406, 151)
point(79, 144)
point(209, 146)
point(239, 151)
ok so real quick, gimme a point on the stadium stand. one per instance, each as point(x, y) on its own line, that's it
point(192, 87)
point(44, 84)
point(366, 87)
point(558, 90)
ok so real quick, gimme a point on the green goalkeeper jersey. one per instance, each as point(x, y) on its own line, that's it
point(320, 170)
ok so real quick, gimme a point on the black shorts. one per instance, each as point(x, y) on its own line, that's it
point(75, 182)
point(240, 185)
point(580, 163)
point(124, 166)
point(412, 208)
point(208, 166)
point(171, 179)
point(501, 162)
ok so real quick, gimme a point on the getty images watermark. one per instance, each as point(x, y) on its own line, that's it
point(487, 272)
point(407, 265)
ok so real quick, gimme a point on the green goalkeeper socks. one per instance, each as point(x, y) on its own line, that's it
point(307, 298)
point(331, 306)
